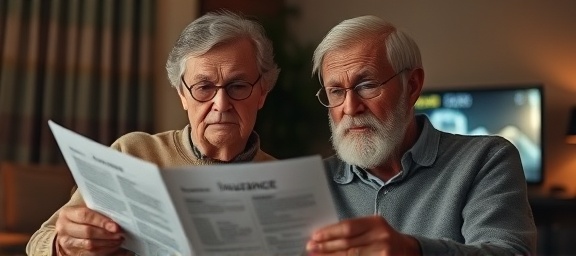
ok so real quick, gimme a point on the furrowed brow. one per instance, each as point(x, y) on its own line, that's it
point(201, 77)
point(364, 75)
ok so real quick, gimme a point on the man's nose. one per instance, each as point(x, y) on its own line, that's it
point(353, 104)
point(221, 100)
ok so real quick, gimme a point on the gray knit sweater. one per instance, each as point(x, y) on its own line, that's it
point(458, 195)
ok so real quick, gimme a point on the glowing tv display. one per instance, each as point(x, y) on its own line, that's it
point(515, 113)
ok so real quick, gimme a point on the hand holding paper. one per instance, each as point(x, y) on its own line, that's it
point(268, 208)
point(82, 231)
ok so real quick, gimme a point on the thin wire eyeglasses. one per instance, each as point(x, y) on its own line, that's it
point(204, 91)
point(333, 96)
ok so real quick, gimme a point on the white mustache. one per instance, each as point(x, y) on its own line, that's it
point(220, 117)
point(365, 120)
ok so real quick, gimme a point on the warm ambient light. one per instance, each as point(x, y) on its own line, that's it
point(571, 134)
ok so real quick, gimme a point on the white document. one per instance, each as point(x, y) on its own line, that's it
point(268, 208)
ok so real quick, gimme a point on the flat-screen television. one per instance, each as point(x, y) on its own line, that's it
point(515, 113)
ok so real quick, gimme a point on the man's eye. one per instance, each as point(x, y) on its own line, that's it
point(335, 91)
point(238, 86)
point(366, 86)
point(204, 87)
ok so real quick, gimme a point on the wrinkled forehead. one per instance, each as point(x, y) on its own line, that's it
point(361, 59)
point(227, 58)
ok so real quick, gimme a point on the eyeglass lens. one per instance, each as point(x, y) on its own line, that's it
point(335, 96)
point(205, 91)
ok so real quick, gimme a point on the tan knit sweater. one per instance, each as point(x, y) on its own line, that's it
point(167, 149)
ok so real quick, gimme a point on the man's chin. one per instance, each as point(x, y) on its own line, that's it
point(221, 142)
point(222, 135)
point(357, 138)
point(358, 150)
point(223, 126)
point(350, 150)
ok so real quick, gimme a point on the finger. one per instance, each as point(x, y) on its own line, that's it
point(341, 244)
point(85, 215)
point(348, 234)
point(333, 237)
point(342, 229)
point(74, 246)
point(355, 251)
point(81, 231)
point(348, 228)
point(83, 223)
point(95, 244)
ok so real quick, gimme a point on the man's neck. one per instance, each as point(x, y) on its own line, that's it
point(223, 153)
point(241, 151)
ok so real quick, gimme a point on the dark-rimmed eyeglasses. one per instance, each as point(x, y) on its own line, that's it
point(204, 91)
point(334, 96)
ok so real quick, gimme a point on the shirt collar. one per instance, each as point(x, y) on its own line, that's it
point(425, 149)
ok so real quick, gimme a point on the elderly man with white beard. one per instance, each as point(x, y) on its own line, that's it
point(402, 187)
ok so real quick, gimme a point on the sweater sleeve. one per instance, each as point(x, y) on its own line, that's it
point(497, 219)
point(42, 241)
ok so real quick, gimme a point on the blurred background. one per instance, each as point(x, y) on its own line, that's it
point(97, 67)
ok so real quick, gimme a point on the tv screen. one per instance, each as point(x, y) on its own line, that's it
point(513, 113)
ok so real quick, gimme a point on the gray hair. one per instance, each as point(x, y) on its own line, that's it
point(215, 28)
point(401, 50)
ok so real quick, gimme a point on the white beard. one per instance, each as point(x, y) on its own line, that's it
point(374, 147)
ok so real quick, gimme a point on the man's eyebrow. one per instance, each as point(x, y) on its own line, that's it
point(201, 77)
point(237, 76)
point(361, 75)
point(364, 74)
point(231, 77)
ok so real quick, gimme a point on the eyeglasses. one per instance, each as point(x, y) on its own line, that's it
point(333, 96)
point(204, 91)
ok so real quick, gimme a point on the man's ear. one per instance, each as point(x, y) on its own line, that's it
point(183, 99)
point(262, 99)
point(415, 84)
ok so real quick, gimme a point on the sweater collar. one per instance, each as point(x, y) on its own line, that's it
point(252, 146)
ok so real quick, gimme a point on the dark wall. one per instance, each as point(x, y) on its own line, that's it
point(292, 122)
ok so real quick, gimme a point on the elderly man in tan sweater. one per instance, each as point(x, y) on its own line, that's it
point(222, 67)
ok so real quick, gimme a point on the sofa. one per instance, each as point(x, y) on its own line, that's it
point(29, 195)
